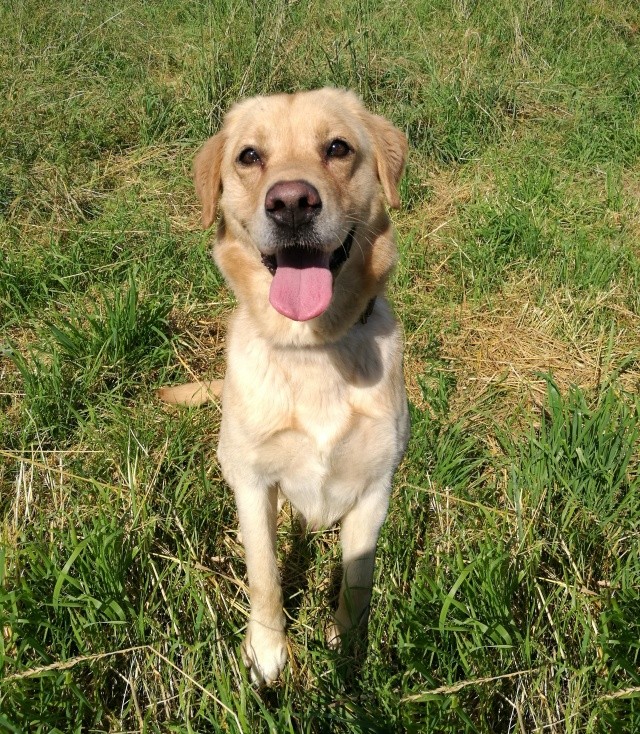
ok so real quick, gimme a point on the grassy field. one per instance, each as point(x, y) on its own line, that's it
point(507, 589)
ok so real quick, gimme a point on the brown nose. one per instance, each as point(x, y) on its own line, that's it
point(292, 203)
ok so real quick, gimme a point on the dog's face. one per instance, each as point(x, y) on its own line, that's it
point(298, 179)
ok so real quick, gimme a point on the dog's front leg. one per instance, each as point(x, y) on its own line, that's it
point(359, 535)
point(264, 649)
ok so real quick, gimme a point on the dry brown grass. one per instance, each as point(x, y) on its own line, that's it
point(513, 342)
point(631, 187)
point(200, 349)
point(448, 189)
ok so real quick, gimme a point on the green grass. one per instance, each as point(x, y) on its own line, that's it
point(507, 588)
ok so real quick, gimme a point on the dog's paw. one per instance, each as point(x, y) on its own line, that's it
point(333, 635)
point(264, 652)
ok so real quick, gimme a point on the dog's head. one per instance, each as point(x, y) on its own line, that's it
point(300, 181)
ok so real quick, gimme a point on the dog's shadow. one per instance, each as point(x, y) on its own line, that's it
point(350, 656)
point(296, 565)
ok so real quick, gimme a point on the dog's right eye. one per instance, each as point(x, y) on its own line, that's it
point(249, 157)
point(338, 149)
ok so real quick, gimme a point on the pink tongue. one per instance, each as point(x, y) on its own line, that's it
point(302, 286)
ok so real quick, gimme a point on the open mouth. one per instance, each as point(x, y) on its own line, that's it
point(302, 283)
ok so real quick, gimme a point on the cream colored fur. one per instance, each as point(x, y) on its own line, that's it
point(313, 410)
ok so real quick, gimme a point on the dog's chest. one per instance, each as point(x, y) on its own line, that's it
point(309, 411)
point(321, 417)
point(298, 412)
point(321, 423)
point(319, 456)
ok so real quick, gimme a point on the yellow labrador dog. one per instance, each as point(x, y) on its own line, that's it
point(313, 399)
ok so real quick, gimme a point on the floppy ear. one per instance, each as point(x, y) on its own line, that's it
point(391, 149)
point(206, 176)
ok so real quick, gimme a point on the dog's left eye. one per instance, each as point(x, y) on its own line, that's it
point(338, 149)
point(249, 156)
